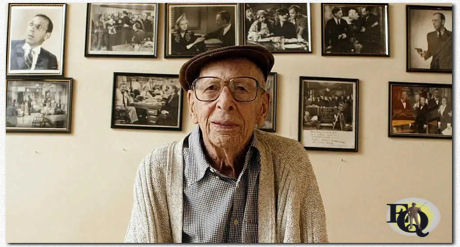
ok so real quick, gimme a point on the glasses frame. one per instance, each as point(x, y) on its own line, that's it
point(258, 85)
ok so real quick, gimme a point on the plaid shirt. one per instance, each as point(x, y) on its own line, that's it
point(217, 208)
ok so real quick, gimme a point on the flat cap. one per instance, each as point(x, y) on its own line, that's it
point(255, 53)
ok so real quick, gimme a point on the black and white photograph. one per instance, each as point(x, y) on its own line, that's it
point(279, 27)
point(194, 28)
point(420, 110)
point(429, 38)
point(328, 113)
point(35, 43)
point(38, 105)
point(121, 30)
point(147, 101)
point(355, 29)
point(270, 121)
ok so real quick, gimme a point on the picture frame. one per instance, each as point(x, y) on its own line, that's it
point(272, 88)
point(261, 25)
point(364, 31)
point(36, 39)
point(146, 101)
point(121, 30)
point(194, 28)
point(421, 110)
point(426, 51)
point(39, 105)
point(328, 113)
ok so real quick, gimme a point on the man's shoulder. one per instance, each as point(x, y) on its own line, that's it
point(16, 43)
point(278, 145)
point(47, 53)
point(158, 157)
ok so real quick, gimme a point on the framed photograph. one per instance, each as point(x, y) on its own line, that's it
point(38, 105)
point(193, 28)
point(420, 110)
point(279, 27)
point(270, 121)
point(35, 43)
point(355, 29)
point(328, 113)
point(146, 101)
point(121, 30)
point(429, 38)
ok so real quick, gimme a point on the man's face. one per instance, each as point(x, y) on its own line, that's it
point(403, 95)
point(435, 93)
point(219, 20)
point(364, 12)
point(338, 14)
point(353, 14)
point(225, 122)
point(36, 31)
point(438, 23)
point(422, 100)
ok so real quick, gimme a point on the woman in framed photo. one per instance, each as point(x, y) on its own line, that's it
point(184, 41)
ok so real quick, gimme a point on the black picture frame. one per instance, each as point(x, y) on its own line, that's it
point(270, 40)
point(425, 33)
point(198, 27)
point(50, 61)
point(358, 41)
point(40, 106)
point(411, 120)
point(154, 106)
point(332, 123)
point(270, 121)
point(115, 33)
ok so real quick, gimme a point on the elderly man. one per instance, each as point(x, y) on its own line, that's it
point(28, 54)
point(227, 181)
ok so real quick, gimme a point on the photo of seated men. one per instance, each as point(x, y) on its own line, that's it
point(200, 28)
point(328, 106)
point(122, 28)
point(37, 105)
point(277, 26)
point(147, 101)
point(422, 110)
point(354, 29)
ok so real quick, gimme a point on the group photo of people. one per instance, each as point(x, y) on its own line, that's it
point(328, 106)
point(423, 110)
point(278, 26)
point(121, 29)
point(197, 28)
point(149, 101)
point(37, 104)
point(355, 29)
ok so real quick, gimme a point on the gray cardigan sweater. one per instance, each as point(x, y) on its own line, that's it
point(289, 203)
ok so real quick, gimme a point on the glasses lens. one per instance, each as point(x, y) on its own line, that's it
point(207, 88)
point(244, 88)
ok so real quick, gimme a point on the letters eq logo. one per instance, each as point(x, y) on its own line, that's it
point(413, 216)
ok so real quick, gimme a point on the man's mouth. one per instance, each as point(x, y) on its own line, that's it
point(224, 124)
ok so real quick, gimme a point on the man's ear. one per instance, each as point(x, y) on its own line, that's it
point(263, 109)
point(47, 36)
point(191, 106)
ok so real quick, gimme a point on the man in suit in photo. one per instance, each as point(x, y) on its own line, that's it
point(28, 54)
point(225, 32)
point(439, 44)
point(337, 33)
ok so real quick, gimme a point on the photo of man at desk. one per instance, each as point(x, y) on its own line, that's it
point(146, 100)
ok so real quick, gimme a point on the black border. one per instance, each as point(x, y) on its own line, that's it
point(243, 27)
point(167, 31)
point(300, 113)
point(43, 130)
point(88, 15)
point(426, 7)
point(416, 84)
point(36, 75)
point(274, 103)
point(387, 53)
point(112, 121)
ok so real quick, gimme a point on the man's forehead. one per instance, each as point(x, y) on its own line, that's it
point(230, 63)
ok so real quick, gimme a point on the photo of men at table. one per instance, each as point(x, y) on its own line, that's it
point(424, 110)
point(195, 29)
point(37, 104)
point(328, 106)
point(127, 28)
point(354, 29)
point(146, 101)
point(280, 27)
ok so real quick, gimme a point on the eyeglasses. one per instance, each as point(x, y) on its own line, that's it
point(242, 88)
point(39, 27)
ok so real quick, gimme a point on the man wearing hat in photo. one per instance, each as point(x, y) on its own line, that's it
point(227, 182)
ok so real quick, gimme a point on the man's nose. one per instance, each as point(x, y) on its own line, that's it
point(226, 101)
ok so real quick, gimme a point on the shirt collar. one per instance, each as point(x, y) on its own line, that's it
point(196, 170)
point(227, 28)
point(27, 48)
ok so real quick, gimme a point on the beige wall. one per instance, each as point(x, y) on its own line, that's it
point(78, 187)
